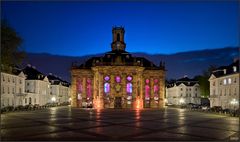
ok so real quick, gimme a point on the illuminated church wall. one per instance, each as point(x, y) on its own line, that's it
point(118, 80)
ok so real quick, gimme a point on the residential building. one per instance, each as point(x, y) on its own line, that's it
point(36, 87)
point(12, 88)
point(59, 89)
point(224, 86)
point(183, 91)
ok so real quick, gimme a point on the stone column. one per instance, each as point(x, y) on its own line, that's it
point(100, 89)
point(74, 91)
point(84, 91)
point(123, 90)
point(162, 92)
point(152, 103)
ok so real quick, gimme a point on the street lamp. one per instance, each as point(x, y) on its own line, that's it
point(182, 101)
point(53, 99)
point(234, 102)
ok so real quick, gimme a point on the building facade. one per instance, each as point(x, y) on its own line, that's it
point(118, 80)
point(224, 86)
point(59, 89)
point(12, 88)
point(183, 91)
point(28, 86)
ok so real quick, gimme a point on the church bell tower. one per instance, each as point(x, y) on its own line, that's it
point(118, 39)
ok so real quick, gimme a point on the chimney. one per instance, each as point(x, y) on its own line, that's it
point(234, 69)
point(224, 71)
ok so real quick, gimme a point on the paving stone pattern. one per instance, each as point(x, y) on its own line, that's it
point(67, 124)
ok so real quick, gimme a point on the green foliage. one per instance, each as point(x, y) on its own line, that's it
point(11, 52)
point(203, 81)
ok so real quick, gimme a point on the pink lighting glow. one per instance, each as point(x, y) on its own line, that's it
point(106, 78)
point(89, 88)
point(79, 86)
point(118, 79)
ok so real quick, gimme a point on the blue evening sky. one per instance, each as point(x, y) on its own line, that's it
point(81, 28)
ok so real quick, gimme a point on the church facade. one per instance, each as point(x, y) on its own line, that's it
point(118, 79)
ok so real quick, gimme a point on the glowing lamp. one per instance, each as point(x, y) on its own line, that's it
point(53, 99)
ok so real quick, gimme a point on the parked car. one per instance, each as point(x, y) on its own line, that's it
point(216, 109)
point(205, 108)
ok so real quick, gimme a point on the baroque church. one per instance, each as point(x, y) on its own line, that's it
point(118, 79)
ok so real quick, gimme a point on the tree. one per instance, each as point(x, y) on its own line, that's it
point(203, 81)
point(11, 51)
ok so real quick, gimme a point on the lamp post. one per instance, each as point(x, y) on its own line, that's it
point(234, 102)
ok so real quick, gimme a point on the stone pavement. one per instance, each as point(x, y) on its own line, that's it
point(66, 124)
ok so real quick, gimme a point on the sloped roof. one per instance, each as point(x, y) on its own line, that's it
point(118, 58)
point(33, 74)
point(54, 80)
point(219, 72)
point(185, 80)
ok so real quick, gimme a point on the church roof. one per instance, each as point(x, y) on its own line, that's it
point(118, 58)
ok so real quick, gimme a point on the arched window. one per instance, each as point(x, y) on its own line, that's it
point(106, 85)
point(89, 88)
point(79, 86)
point(156, 90)
point(147, 89)
point(129, 88)
point(129, 85)
point(118, 37)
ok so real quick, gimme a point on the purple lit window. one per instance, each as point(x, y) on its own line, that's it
point(155, 88)
point(147, 81)
point(147, 91)
point(106, 87)
point(106, 78)
point(155, 81)
point(79, 86)
point(89, 92)
point(118, 79)
point(129, 87)
point(129, 78)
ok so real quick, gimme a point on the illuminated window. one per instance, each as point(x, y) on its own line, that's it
point(129, 78)
point(224, 81)
point(79, 86)
point(147, 89)
point(106, 87)
point(89, 88)
point(129, 87)
point(118, 79)
point(229, 80)
point(106, 78)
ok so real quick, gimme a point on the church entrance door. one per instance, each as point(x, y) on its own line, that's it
point(118, 102)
